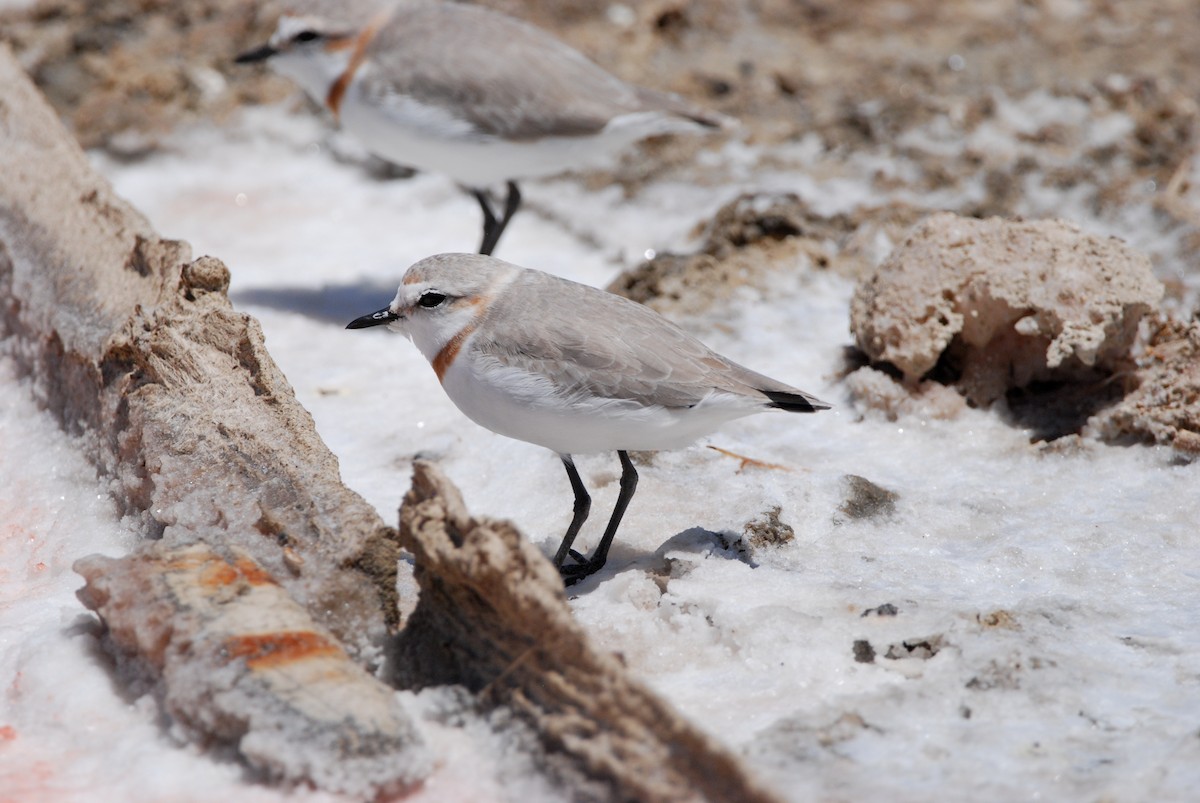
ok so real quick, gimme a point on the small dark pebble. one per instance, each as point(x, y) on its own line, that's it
point(864, 653)
point(886, 609)
point(866, 500)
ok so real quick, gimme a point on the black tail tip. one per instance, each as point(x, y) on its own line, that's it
point(795, 402)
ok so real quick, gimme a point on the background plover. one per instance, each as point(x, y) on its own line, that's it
point(477, 95)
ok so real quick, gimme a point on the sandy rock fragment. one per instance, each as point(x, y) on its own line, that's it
point(866, 500)
point(1165, 406)
point(864, 653)
point(1000, 304)
point(237, 660)
point(492, 616)
point(768, 530)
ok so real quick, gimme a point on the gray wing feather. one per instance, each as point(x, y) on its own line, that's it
point(590, 342)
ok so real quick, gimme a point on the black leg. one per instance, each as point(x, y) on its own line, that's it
point(489, 222)
point(583, 506)
point(512, 202)
point(629, 479)
point(493, 227)
point(573, 574)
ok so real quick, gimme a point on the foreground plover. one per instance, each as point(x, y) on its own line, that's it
point(572, 368)
point(471, 93)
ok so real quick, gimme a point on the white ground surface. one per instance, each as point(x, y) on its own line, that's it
point(1057, 587)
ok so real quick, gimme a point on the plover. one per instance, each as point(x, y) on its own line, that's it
point(571, 368)
point(471, 93)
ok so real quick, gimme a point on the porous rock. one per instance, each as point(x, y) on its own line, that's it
point(873, 389)
point(1165, 405)
point(998, 304)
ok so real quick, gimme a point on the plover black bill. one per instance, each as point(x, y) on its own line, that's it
point(572, 368)
point(471, 93)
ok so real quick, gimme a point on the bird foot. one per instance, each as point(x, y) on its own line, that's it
point(574, 572)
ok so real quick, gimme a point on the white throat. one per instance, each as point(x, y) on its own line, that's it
point(314, 70)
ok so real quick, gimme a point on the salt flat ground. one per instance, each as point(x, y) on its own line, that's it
point(1042, 644)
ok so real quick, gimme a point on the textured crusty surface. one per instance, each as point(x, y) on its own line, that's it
point(754, 237)
point(492, 616)
point(235, 658)
point(135, 345)
point(1004, 302)
point(1165, 405)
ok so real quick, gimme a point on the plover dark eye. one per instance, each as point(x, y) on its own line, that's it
point(431, 299)
point(306, 36)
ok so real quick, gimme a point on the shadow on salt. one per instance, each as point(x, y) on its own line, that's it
point(332, 303)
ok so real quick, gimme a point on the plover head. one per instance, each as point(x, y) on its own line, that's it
point(312, 51)
point(441, 301)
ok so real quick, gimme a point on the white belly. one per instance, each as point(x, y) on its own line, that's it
point(427, 138)
point(521, 407)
